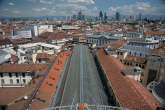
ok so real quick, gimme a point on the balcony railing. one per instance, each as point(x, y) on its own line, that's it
point(88, 107)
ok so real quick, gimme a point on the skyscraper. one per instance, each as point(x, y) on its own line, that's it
point(140, 16)
point(117, 16)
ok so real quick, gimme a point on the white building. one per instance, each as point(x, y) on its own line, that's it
point(140, 46)
point(15, 75)
point(5, 43)
point(101, 39)
point(28, 52)
point(27, 34)
point(39, 29)
point(67, 27)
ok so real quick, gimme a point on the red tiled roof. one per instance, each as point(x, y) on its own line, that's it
point(136, 59)
point(104, 28)
point(54, 74)
point(161, 46)
point(45, 35)
point(117, 44)
point(5, 41)
point(128, 93)
point(49, 85)
point(54, 36)
point(20, 41)
point(79, 35)
point(155, 32)
point(21, 67)
point(43, 55)
point(59, 35)
point(158, 51)
point(131, 30)
point(10, 95)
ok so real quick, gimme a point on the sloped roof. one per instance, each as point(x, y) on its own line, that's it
point(11, 68)
point(5, 41)
point(130, 94)
point(159, 51)
point(136, 59)
point(49, 85)
point(117, 44)
point(155, 32)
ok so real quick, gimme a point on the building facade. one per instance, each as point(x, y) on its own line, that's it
point(15, 75)
point(16, 34)
point(140, 47)
point(155, 69)
point(39, 29)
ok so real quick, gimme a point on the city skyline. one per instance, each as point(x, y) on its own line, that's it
point(30, 8)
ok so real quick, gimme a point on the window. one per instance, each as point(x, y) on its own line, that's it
point(2, 81)
point(16, 74)
point(17, 81)
point(10, 74)
point(1, 74)
point(23, 74)
point(11, 81)
point(24, 80)
point(151, 75)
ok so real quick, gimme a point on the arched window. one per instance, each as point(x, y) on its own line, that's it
point(2, 81)
point(10, 74)
point(11, 81)
point(24, 80)
point(17, 81)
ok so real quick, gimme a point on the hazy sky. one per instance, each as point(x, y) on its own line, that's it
point(88, 7)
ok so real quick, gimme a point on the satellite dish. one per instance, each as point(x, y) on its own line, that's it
point(25, 97)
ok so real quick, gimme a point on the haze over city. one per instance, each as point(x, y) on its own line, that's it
point(28, 8)
point(82, 54)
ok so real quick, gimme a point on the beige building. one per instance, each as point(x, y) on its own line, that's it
point(155, 69)
point(134, 73)
point(18, 75)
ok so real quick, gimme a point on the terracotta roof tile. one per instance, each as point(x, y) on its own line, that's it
point(22, 67)
point(117, 44)
point(158, 51)
point(5, 41)
point(59, 35)
point(136, 59)
point(43, 55)
point(155, 32)
point(128, 93)
point(45, 35)
point(20, 41)
point(13, 96)
point(49, 85)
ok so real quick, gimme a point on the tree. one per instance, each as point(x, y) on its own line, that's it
point(101, 15)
